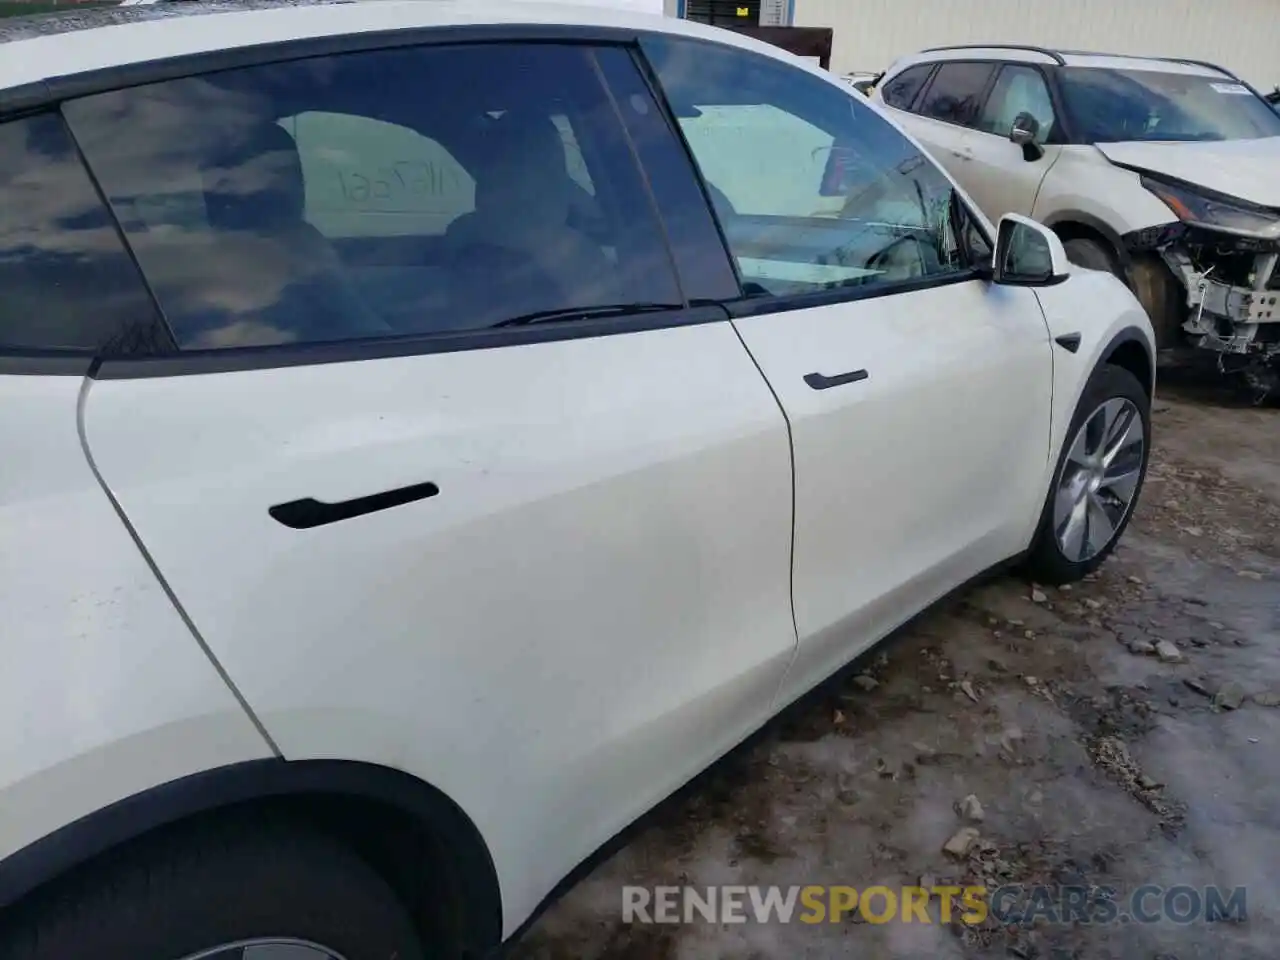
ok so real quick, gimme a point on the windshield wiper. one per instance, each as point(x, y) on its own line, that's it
point(586, 313)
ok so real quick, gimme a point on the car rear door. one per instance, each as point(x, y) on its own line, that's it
point(918, 394)
point(943, 117)
point(543, 566)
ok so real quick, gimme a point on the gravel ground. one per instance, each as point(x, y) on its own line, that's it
point(1097, 761)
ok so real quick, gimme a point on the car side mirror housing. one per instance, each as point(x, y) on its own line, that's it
point(1028, 254)
point(1023, 133)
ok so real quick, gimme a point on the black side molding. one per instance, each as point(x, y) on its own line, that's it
point(1068, 341)
point(309, 512)
point(819, 382)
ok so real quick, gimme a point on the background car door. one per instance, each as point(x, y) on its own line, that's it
point(949, 106)
point(545, 567)
point(918, 396)
point(998, 176)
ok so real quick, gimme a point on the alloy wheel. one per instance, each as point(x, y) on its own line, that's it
point(1099, 479)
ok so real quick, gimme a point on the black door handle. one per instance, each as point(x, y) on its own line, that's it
point(819, 382)
point(309, 512)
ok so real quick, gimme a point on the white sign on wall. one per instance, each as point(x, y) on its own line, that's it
point(773, 13)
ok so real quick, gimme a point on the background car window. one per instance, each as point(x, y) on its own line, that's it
point(955, 95)
point(326, 199)
point(66, 283)
point(901, 91)
point(813, 189)
point(1018, 90)
point(1109, 106)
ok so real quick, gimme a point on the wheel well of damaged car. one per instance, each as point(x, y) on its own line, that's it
point(1129, 351)
point(1081, 226)
point(421, 843)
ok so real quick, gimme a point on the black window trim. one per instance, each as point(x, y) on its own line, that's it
point(383, 348)
point(38, 97)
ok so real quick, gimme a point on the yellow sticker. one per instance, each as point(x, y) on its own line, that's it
point(744, 12)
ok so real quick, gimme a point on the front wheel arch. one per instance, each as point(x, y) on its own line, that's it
point(397, 822)
point(1130, 351)
point(1044, 562)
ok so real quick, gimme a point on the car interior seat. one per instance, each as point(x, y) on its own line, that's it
point(255, 199)
point(518, 250)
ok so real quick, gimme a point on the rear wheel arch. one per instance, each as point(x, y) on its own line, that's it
point(424, 845)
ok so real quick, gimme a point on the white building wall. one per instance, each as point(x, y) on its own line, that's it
point(1242, 35)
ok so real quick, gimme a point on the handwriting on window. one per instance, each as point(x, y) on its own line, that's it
point(405, 182)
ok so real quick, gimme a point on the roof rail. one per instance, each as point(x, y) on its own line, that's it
point(1199, 63)
point(1138, 56)
point(1052, 54)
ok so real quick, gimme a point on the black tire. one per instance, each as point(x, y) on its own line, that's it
point(185, 891)
point(1046, 563)
point(1091, 254)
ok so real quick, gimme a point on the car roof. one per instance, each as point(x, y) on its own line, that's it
point(1071, 58)
point(44, 47)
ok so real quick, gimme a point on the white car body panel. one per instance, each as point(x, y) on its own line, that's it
point(992, 169)
point(945, 142)
point(1100, 308)
point(1248, 169)
point(105, 691)
point(1084, 185)
point(1068, 180)
point(1000, 178)
point(957, 374)
point(604, 573)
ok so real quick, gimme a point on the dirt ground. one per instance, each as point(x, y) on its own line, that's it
point(1096, 762)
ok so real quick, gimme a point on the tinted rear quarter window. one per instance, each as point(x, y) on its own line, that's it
point(955, 94)
point(66, 282)
point(901, 91)
point(332, 199)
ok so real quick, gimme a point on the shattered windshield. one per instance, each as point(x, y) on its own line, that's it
point(1115, 105)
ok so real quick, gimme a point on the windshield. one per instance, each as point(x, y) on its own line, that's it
point(1112, 105)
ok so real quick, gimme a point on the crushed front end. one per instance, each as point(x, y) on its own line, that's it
point(1225, 255)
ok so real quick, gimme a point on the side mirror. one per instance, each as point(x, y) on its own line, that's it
point(1028, 254)
point(1023, 133)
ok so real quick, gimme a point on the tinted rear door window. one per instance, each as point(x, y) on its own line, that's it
point(901, 91)
point(332, 199)
point(956, 93)
point(66, 282)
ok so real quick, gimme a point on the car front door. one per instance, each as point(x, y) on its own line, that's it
point(1001, 176)
point(918, 395)
point(421, 517)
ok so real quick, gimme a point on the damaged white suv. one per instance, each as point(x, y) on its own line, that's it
point(1164, 172)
